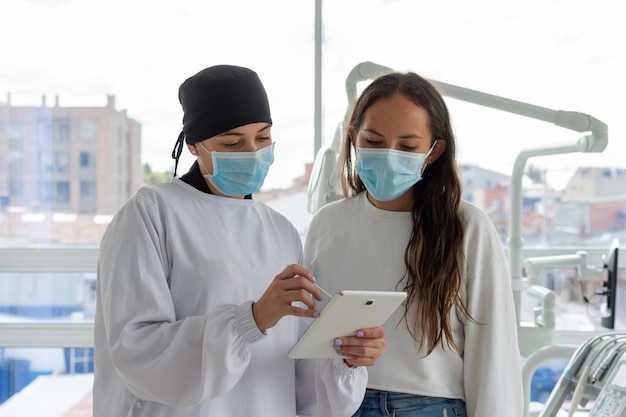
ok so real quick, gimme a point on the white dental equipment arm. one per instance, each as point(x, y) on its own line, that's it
point(545, 315)
point(534, 265)
point(595, 142)
point(362, 72)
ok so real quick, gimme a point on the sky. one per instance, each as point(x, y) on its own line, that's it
point(561, 55)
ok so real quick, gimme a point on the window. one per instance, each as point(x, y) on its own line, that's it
point(88, 129)
point(45, 162)
point(62, 192)
point(15, 144)
point(15, 162)
point(16, 188)
point(87, 189)
point(60, 132)
point(53, 131)
point(78, 360)
point(87, 160)
point(62, 161)
point(44, 134)
point(44, 192)
point(15, 130)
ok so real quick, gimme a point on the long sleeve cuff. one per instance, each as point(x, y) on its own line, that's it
point(245, 323)
point(342, 368)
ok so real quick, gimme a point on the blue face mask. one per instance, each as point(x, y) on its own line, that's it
point(240, 173)
point(388, 173)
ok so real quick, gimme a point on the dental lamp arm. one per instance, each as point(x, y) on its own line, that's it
point(579, 122)
point(534, 265)
point(362, 72)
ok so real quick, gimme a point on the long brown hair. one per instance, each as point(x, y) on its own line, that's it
point(433, 256)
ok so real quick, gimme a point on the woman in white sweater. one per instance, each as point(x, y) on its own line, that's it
point(452, 350)
point(199, 284)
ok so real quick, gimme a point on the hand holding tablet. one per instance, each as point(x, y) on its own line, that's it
point(347, 312)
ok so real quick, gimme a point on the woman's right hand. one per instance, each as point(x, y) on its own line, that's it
point(295, 283)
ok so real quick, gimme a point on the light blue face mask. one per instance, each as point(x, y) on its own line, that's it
point(240, 173)
point(388, 173)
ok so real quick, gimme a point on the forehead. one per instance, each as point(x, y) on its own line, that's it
point(396, 112)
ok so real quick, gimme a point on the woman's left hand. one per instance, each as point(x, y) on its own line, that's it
point(364, 349)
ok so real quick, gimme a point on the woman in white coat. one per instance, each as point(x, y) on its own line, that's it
point(200, 288)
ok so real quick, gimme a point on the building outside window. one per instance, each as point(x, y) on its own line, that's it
point(44, 192)
point(87, 160)
point(88, 129)
point(61, 161)
point(62, 192)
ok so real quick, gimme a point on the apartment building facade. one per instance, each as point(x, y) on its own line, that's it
point(71, 160)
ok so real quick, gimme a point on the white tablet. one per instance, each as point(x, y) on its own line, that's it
point(346, 313)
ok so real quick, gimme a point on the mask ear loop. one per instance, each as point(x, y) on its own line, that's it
point(178, 149)
point(202, 163)
point(427, 155)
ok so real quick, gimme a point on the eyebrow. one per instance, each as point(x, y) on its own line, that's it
point(232, 133)
point(408, 136)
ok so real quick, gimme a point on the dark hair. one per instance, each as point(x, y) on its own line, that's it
point(433, 256)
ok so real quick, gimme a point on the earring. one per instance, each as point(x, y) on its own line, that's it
point(194, 152)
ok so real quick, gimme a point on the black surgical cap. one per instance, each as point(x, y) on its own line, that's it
point(218, 99)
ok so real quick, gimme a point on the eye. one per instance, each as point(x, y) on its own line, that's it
point(409, 148)
point(373, 142)
point(264, 138)
point(231, 145)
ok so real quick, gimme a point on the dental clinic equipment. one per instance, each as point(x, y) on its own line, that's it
point(596, 372)
point(612, 398)
point(544, 322)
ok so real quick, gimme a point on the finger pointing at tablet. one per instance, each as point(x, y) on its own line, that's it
point(294, 284)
